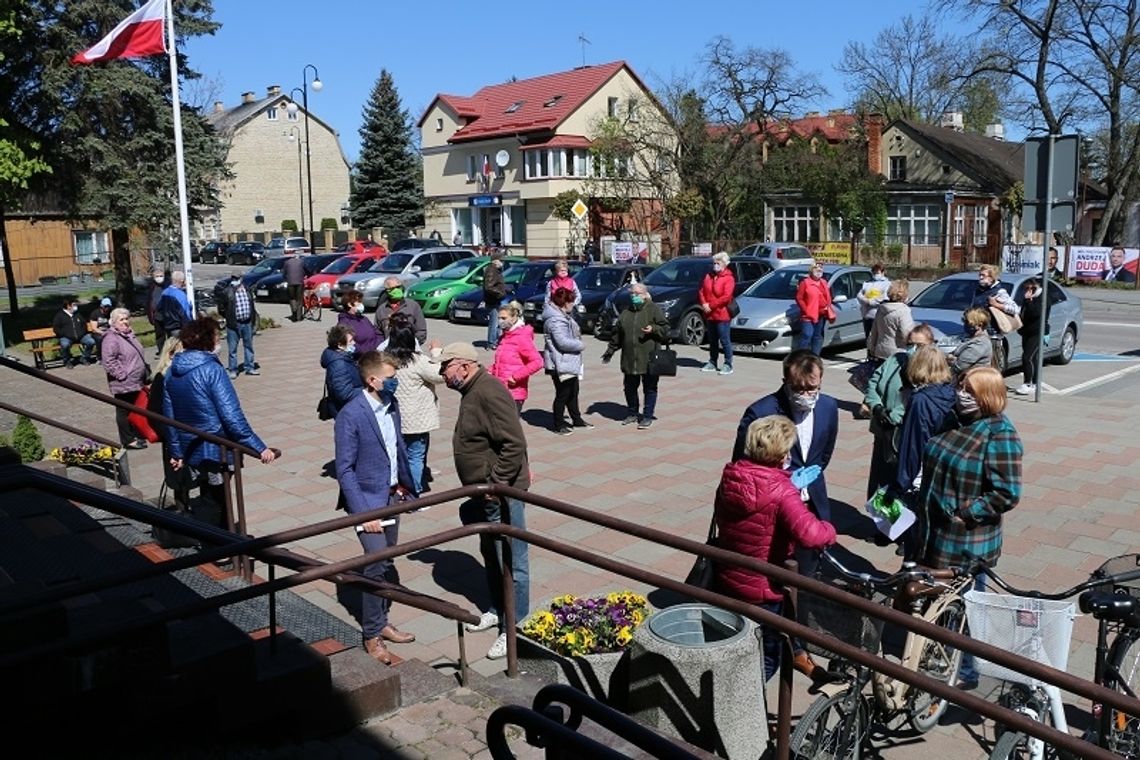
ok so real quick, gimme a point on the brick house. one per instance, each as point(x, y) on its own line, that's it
point(270, 181)
point(494, 161)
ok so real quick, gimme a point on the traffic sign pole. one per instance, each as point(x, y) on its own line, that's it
point(1040, 337)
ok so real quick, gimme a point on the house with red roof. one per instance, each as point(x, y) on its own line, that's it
point(494, 161)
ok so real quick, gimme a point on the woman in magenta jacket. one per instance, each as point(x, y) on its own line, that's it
point(760, 513)
point(516, 358)
point(714, 297)
point(813, 296)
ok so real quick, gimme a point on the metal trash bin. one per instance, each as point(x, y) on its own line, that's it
point(697, 673)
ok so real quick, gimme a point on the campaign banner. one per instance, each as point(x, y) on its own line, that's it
point(1023, 259)
point(1087, 262)
point(836, 252)
point(702, 249)
point(622, 251)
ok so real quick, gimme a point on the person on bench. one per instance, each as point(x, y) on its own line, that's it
point(71, 328)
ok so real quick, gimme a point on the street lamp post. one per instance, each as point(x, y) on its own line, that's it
point(295, 134)
point(292, 108)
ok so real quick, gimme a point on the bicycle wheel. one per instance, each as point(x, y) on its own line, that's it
point(1032, 703)
point(1124, 730)
point(940, 662)
point(830, 728)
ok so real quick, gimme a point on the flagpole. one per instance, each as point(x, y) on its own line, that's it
point(183, 209)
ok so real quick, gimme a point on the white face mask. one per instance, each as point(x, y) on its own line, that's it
point(505, 324)
point(966, 403)
point(159, 279)
point(804, 402)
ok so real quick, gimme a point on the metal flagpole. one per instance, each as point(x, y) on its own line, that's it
point(1045, 243)
point(183, 209)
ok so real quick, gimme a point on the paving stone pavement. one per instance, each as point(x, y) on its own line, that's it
point(1079, 506)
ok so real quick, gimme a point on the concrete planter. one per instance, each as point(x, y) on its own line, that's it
point(604, 677)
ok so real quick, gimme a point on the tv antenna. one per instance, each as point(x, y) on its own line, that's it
point(583, 42)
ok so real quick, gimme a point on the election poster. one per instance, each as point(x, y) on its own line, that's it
point(1108, 263)
point(831, 253)
point(622, 252)
point(1023, 259)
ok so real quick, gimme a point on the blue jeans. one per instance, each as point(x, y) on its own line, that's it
point(492, 325)
point(417, 447)
point(811, 335)
point(490, 546)
point(245, 332)
point(967, 670)
point(86, 347)
point(374, 609)
point(720, 340)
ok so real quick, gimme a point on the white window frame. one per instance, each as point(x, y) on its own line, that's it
point(271, 113)
point(632, 111)
point(897, 163)
point(292, 115)
point(920, 223)
point(472, 167)
point(439, 124)
point(981, 222)
point(612, 106)
point(98, 245)
point(796, 223)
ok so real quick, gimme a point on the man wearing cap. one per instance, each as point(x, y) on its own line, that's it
point(70, 328)
point(99, 322)
point(395, 300)
point(489, 447)
point(494, 291)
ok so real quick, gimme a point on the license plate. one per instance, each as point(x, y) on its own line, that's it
point(262, 292)
point(744, 348)
point(462, 314)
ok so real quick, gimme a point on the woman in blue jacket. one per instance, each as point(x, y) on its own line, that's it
point(342, 376)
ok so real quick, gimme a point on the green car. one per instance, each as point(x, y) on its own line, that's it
point(435, 293)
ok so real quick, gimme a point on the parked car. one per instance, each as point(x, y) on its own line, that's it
point(769, 319)
point(435, 293)
point(523, 280)
point(260, 270)
point(941, 305)
point(406, 265)
point(325, 280)
point(409, 244)
point(361, 246)
point(779, 254)
point(195, 253)
point(674, 286)
point(245, 252)
point(214, 252)
point(279, 246)
point(596, 282)
point(272, 287)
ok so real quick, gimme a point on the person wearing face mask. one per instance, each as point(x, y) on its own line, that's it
point(489, 447)
point(395, 301)
point(235, 303)
point(1034, 311)
point(813, 297)
point(70, 328)
point(126, 372)
point(516, 358)
point(977, 350)
point(419, 403)
point(886, 397)
point(364, 332)
point(639, 329)
point(893, 322)
point(157, 283)
point(563, 360)
point(991, 295)
point(562, 280)
point(715, 295)
point(494, 291)
point(372, 471)
point(342, 377)
point(971, 477)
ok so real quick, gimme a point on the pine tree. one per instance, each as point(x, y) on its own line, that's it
point(387, 181)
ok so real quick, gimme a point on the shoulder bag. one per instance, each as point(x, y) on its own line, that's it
point(733, 309)
point(325, 406)
point(1005, 323)
point(703, 573)
point(662, 361)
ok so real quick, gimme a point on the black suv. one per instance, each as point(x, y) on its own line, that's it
point(674, 286)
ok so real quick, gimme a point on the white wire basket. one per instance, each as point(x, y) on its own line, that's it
point(1036, 629)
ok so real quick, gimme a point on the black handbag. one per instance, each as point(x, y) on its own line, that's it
point(703, 573)
point(733, 309)
point(662, 361)
point(325, 406)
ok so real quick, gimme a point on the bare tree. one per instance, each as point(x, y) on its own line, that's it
point(754, 85)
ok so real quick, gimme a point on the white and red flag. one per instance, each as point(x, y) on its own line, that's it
point(139, 34)
point(486, 165)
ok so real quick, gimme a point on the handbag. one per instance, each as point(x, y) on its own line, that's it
point(140, 422)
point(733, 309)
point(662, 361)
point(703, 573)
point(860, 375)
point(325, 406)
point(1005, 323)
point(829, 313)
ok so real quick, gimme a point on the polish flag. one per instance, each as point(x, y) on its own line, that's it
point(486, 165)
point(139, 34)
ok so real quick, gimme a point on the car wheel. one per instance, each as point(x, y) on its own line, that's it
point(1068, 346)
point(231, 260)
point(693, 329)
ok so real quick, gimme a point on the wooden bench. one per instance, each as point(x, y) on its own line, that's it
point(45, 346)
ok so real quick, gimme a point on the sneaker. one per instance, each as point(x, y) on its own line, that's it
point(709, 367)
point(644, 423)
point(583, 424)
point(630, 420)
point(488, 620)
point(725, 370)
point(254, 371)
point(498, 650)
point(136, 444)
point(233, 374)
point(564, 430)
point(1025, 389)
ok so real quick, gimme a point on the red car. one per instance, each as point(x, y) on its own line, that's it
point(324, 280)
point(360, 246)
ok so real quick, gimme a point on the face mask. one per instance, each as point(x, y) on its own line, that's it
point(395, 294)
point(966, 403)
point(636, 302)
point(388, 387)
point(350, 348)
point(718, 268)
point(911, 350)
point(358, 308)
point(505, 324)
point(454, 382)
point(159, 279)
point(804, 402)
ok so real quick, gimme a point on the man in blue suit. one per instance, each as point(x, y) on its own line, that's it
point(372, 470)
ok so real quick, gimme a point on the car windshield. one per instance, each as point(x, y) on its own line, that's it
point(340, 266)
point(459, 270)
point(781, 283)
point(526, 273)
point(787, 252)
point(599, 278)
point(407, 243)
point(393, 262)
point(955, 294)
point(680, 272)
point(266, 266)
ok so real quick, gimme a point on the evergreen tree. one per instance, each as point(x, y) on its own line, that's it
point(108, 128)
point(387, 186)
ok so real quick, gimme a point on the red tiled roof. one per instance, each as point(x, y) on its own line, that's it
point(834, 128)
point(559, 141)
point(487, 108)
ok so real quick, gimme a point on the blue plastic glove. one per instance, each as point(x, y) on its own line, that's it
point(805, 476)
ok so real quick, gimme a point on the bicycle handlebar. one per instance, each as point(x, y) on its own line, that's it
point(909, 572)
point(1094, 581)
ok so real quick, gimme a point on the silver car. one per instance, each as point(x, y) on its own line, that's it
point(941, 306)
point(408, 266)
point(769, 319)
point(779, 255)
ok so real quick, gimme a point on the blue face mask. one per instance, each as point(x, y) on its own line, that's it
point(350, 348)
point(388, 387)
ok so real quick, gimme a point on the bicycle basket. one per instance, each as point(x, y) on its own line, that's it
point(1037, 629)
point(1122, 564)
point(837, 619)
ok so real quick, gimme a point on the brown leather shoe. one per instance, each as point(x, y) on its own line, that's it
point(804, 664)
point(379, 652)
point(389, 633)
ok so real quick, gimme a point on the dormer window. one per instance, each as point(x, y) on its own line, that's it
point(514, 106)
point(552, 102)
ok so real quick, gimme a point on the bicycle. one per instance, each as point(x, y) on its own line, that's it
point(1027, 623)
point(311, 305)
point(838, 724)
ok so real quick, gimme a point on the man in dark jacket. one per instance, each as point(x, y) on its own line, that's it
point(395, 300)
point(174, 306)
point(235, 303)
point(70, 328)
point(494, 291)
point(489, 447)
point(294, 271)
point(154, 290)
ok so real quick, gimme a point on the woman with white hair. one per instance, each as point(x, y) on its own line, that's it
point(714, 297)
point(126, 372)
point(638, 330)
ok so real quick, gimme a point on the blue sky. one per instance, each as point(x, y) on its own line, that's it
point(458, 47)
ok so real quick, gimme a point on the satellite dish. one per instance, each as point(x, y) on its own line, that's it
point(502, 158)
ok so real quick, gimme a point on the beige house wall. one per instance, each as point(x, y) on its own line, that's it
point(922, 166)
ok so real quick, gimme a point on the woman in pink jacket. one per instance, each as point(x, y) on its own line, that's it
point(122, 357)
point(813, 296)
point(761, 514)
point(516, 358)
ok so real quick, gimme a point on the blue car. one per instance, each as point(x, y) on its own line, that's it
point(595, 282)
point(523, 280)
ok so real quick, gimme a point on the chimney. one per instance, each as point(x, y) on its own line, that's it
point(219, 106)
point(811, 114)
point(248, 97)
point(996, 131)
point(953, 120)
point(272, 90)
point(873, 125)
